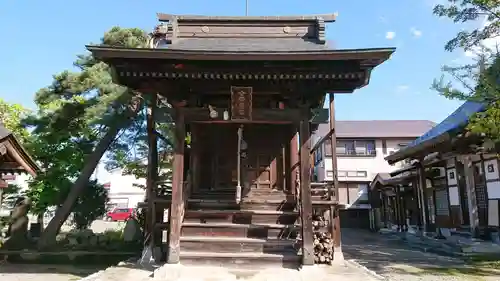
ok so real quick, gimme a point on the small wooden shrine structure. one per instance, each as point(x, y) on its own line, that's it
point(245, 89)
point(455, 181)
point(13, 158)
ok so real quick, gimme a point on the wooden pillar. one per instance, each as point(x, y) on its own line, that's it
point(177, 205)
point(485, 190)
point(152, 176)
point(335, 211)
point(462, 191)
point(397, 206)
point(405, 213)
point(294, 161)
point(470, 187)
point(305, 193)
point(195, 158)
point(422, 185)
point(418, 208)
point(384, 207)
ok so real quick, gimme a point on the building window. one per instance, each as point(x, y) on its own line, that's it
point(384, 147)
point(329, 174)
point(352, 174)
point(352, 148)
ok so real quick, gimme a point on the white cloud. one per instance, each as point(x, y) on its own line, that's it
point(402, 88)
point(390, 35)
point(490, 44)
point(415, 32)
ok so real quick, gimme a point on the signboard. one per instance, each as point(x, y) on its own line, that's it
point(319, 116)
point(241, 103)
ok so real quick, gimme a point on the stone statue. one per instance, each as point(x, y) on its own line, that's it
point(17, 233)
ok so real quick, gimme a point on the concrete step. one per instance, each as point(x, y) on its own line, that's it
point(241, 260)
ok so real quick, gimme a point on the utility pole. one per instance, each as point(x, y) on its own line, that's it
point(246, 7)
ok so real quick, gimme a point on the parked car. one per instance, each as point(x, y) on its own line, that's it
point(120, 214)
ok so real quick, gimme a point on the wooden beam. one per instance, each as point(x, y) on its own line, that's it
point(177, 205)
point(202, 114)
point(305, 193)
point(335, 212)
point(294, 161)
point(152, 174)
point(164, 115)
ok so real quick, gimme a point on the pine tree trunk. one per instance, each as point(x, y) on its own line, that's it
point(62, 213)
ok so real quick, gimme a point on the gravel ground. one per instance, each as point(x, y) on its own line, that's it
point(396, 261)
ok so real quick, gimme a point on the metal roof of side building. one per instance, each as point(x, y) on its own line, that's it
point(378, 128)
point(440, 133)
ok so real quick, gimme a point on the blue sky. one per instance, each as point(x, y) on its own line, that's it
point(41, 38)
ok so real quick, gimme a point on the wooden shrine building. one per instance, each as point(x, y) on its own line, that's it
point(245, 89)
point(13, 159)
point(452, 182)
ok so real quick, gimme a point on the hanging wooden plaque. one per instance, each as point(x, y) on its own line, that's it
point(241, 103)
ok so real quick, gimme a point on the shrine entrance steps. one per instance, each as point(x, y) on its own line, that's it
point(260, 231)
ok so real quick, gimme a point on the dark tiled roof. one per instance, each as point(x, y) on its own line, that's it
point(246, 44)
point(378, 128)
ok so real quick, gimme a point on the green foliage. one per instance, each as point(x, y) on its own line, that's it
point(73, 113)
point(479, 80)
point(90, 205)
point(488, 89)
point(11, 116)
point(471, 10)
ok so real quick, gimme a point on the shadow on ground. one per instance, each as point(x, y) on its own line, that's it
point(384, 255)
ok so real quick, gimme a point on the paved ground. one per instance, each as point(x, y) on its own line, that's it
point(387, 257)
point(130, 272)
point(17, 272)
point(394, 260)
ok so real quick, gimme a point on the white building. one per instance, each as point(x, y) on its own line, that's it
point(361, 148)
point(124, 191)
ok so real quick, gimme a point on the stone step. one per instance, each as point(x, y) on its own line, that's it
point(238, 245)
point(241, 216)
point(262, 231)
point(240, 260)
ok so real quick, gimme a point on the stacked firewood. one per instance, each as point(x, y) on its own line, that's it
point(323, 242)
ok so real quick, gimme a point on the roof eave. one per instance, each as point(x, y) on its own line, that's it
point(412, 151)
point(375, 56)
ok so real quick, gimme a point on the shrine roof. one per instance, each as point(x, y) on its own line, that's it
point(282, 53)
point(17, 158)
point(440, 133)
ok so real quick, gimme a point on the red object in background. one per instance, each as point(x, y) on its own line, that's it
point(3, 184)
point(107, 185)
point(120, 214)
